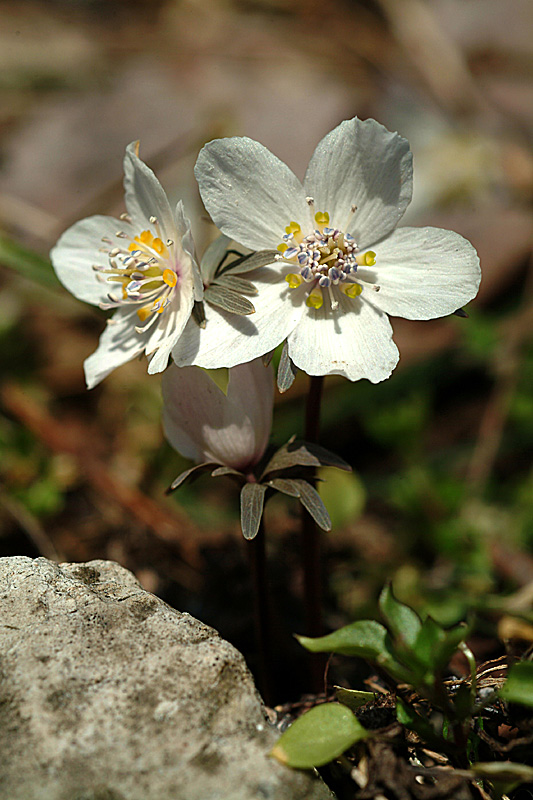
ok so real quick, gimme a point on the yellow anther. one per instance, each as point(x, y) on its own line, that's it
point(322, 217)
point(170, 277)
point(292, 227)
point(315, 299)
point(159, 306)
point(144, 312)
point(294, 280)
point(145, 237)
point(351, 289)
point(367, 259)
point(282, 247)
point(158, 246)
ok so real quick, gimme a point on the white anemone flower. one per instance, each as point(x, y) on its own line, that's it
point(342, 265)
point(207, 425)
point(142, 265)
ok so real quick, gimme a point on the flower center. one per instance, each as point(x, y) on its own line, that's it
point(146, 271)
point(326, 258)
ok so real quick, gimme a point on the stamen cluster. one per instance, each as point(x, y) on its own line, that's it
point(327, 254)
point(146, 270)
point(327, 257)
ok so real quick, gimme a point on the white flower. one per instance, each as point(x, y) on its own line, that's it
point(204, 424)
point(143, 265)
point(342, 265)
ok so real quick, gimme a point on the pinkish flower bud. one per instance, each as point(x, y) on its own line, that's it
point(204, 424)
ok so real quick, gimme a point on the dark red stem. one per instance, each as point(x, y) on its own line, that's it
point(257, 556)
point(311, 543)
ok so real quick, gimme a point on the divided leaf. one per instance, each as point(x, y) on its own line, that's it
point(228, 300)
point(240, 285)
point(303, 454)
point(220, 471)
point(285, 486)
point(316, 738)
point(308, 497)
point(246, 263)
point(286, 370)
point(312, 502)
point(193, 472)
point(252, 502)
point(267, 357)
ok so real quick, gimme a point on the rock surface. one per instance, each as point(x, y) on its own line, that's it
point(106, 693)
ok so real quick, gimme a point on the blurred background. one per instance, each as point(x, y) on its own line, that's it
point(441, 497)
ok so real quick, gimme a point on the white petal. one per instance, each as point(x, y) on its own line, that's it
point(355, 341)
point(77, 250)
point(360, 163)
point(251, 393)
point(184, 391)
point(230, 339)
point(164, 334)
point(160, 350)
point(184, 231)
point(423, 273)
point(119, 343)
point(250, 194)
point(144, 194)
point(204, 424)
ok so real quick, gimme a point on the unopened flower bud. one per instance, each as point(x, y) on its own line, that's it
point(204, 424)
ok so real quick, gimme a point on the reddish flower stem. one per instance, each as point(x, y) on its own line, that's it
point(311, 544)
point(257, 557)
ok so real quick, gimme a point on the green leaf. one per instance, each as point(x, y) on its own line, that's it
point(364, 638)
point(228, 300)
point(252, 502)
point(504, 775)
point(434, 645)
point(404, 623)
point(27, 263)
point(353, 698)
point(286, 370)
point(518, 688)
point(316, 738)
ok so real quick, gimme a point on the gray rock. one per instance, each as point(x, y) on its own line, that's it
point(106, 693)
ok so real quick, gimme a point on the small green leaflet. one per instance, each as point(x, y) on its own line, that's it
point(319, 736)
point(518, 687)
